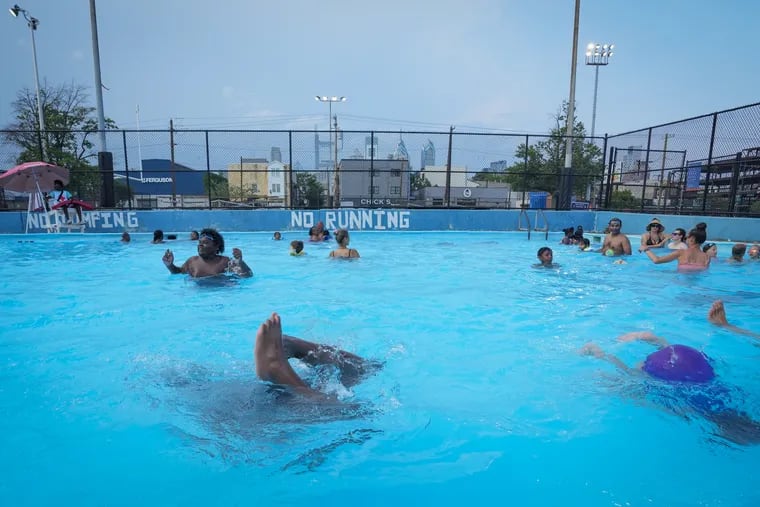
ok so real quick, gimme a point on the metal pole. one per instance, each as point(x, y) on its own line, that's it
point(596, 87)
point(566, 187)
point(41, 117)
point(98, 83)
point(336, 183)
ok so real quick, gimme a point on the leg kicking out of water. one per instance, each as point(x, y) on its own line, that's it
point(273, 349)
point(717, 315)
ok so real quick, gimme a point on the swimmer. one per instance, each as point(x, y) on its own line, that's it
point(158, 236)
point(754, 252)
point(690, 372)
point(691, 259)
point(209, 262)
point(125, 238)
point(277, 236)
point(273, 349)
point(343, 252)
point(545, 258)
point(615, 242)
point(296, 248)
point(194, 236)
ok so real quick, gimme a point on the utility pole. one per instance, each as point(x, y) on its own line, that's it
point(566, 182)
point(336, 190)
point(662, 168)
point(447, 193)
point(171, 150)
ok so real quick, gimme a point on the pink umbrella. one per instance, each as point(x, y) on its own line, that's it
point(33, 177)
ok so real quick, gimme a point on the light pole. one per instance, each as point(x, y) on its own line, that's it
point(336, 183)
point(33, 22)
point(597, 55)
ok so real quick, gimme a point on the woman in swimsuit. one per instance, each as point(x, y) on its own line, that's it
point(677, 238)
point(343, 252)
point(653, 238)
point(691, 259)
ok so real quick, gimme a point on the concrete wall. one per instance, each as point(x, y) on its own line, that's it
point(718, 228)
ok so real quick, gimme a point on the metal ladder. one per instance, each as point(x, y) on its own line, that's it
point(540, 215)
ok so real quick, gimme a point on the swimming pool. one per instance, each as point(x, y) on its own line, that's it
point(122, 384)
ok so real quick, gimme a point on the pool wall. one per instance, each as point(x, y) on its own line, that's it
point(179, 221)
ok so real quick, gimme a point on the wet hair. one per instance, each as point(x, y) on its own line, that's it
point(341, 235)
point(194, 235)
point(277, 235)
point(707, 246)
point(216, 237)
point(682, 231)
point(543, 250)
point(158, 234)
point(297, 245)
point(739, 249)
point(569, 231)
point(586, 243)
point(616, 219)
point(699, 233)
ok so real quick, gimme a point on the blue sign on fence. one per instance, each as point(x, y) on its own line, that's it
point(693, 173)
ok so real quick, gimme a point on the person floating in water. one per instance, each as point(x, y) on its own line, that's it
point(209, 262)
point(691, 372)
point(273, 349)
point(296, 248)
point(343, 251)
point(545, 258)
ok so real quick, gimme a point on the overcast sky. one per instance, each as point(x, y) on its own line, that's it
point(403, 65)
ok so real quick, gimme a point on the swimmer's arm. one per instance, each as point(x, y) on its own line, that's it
point(238, 266)
point(644, 336)
point(665, 258)
point(169, 263)
point(626, 245)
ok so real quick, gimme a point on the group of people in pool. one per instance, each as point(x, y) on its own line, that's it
point(689, 249)
point(670, 363)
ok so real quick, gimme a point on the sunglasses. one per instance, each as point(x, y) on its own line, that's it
point(676, 234)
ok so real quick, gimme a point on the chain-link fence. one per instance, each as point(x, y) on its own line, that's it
point(708, 165)
point(155, 169)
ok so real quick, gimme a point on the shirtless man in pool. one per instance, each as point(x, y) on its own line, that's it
point(615, 242)
point(208, 262)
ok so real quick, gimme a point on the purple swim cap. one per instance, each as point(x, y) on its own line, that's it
point(679, 363)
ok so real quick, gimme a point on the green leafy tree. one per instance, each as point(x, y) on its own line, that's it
point(546, 159)
point(70, 127)
point(623, 199)
point(419, 181)
point(217, 186)
point(308, 190)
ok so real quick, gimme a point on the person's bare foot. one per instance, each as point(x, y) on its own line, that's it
point(269, 357)
point(717, 314)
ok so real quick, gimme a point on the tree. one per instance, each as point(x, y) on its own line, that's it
point(217, 186)
point(70, 124)
point(308, 190)
point(419, 181)
point(546, 159)
point(623, 199)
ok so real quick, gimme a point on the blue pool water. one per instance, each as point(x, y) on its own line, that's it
point(122, 384)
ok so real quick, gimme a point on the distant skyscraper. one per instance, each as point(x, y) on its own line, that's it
point(401, 152)
point(499, 166)
point(276, 155)
point(428, 155)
